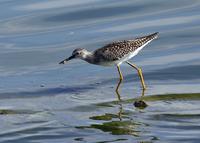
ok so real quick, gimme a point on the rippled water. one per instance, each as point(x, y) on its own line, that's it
point(41, 101)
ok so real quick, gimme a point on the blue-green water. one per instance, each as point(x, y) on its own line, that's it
point(42, 101)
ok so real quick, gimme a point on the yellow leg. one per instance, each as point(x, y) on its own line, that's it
point(120, 81)
point(120, 73)
point(139, 70)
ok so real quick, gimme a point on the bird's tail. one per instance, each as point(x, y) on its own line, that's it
point(153, 36)
point(146, 39)
point(149, 37)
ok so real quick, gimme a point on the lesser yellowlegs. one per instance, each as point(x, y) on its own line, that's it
point(115, 54)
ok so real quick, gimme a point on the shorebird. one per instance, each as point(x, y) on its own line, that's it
point(114, 54)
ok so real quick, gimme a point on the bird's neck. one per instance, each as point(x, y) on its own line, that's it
point(89, 57)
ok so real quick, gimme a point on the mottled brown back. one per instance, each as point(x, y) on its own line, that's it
point(116, 50)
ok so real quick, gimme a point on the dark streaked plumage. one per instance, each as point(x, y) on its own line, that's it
point(119, 49)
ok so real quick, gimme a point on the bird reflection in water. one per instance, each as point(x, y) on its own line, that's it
point(139, 103)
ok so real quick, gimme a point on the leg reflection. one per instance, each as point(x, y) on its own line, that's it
point(120, 81)
point(120, 112)
point(140, 102)
point(117, 90)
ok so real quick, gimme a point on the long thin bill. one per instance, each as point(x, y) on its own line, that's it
point(65, 60)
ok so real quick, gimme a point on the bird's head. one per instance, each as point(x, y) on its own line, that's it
point(77, 53)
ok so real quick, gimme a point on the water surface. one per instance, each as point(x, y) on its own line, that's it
point(41, 101)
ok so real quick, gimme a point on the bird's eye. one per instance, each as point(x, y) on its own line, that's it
point(78, 53)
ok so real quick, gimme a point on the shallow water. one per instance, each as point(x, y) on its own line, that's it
point(41, 101)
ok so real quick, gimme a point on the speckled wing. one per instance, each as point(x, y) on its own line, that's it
point(119, 49)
